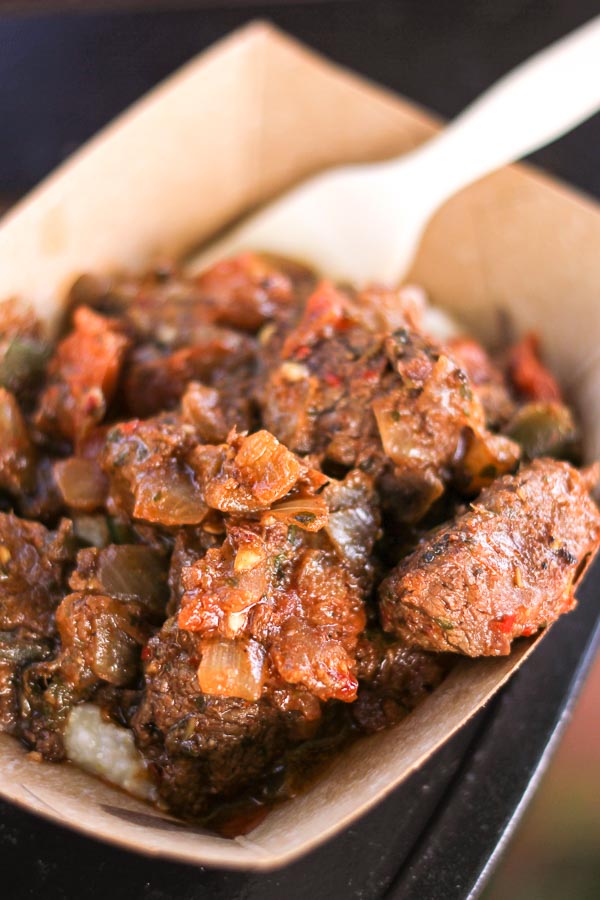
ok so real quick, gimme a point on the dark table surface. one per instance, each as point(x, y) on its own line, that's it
point(62, 76)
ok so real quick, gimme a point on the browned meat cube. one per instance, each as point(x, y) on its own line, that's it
point(505, 568)
point(155, 381)
point(18, 648)
point(101, 641)
point(396, 405)
point(245, 291)
point(149, 479)
point(32, 570)
point(393, 679)
point(204, 748)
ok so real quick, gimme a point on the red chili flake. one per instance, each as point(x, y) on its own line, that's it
point(528, 631)
point(506, 623)
point(145, 655)
point(302, 352)
point(324, 313)
point(371, 375)
point(92, 402)
point(528, 374)
point(332, 379)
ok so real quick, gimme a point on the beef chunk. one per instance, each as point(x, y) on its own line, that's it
point(156, 380)
point(292, 581)
point(432, 422)
point(246, 291)
point(204, 748)
point(101, 639)
point(32, 564)
point(149, 477)
point(18, 648)
point(505, 568)
point(319, 380)
point(396, 405)
point(393, 680)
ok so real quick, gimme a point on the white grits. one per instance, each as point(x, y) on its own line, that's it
point(106, 749)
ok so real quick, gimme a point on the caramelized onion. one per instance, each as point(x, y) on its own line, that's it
point(232, 669)
point(81, 482)
point(115, 656)
point(133, 570)
point(396, 430)
point(169, 496)
point(309, 513)
point(353, 523)
point(92, 530)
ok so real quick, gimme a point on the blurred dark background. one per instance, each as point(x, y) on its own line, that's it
point(68, 68)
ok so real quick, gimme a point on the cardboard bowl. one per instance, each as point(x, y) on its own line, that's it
point(243, 121)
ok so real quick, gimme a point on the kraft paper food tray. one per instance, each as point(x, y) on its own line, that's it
point(235, 126)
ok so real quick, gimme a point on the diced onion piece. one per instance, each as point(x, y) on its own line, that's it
point(232, 669)
point(81, 482)
point(487, 456)
point(132, 570)
point(268, 468)
point(353, 523)
point(200, 405)
point(115, 657)
point(308, 513)
point(396, 431)
point(169, 496)
point(92, 530)
point(350, 531)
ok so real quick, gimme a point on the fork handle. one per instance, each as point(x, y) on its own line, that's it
point(533, 105)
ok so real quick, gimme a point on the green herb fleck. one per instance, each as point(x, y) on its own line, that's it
point(305, 518)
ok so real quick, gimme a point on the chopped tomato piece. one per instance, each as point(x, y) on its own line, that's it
point(83, 376)
point(324, 313)
point(529, 375)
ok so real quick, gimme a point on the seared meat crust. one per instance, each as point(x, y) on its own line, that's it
point(203, 747)
point(505, 568)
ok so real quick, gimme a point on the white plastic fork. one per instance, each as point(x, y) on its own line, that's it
point(363, 223)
